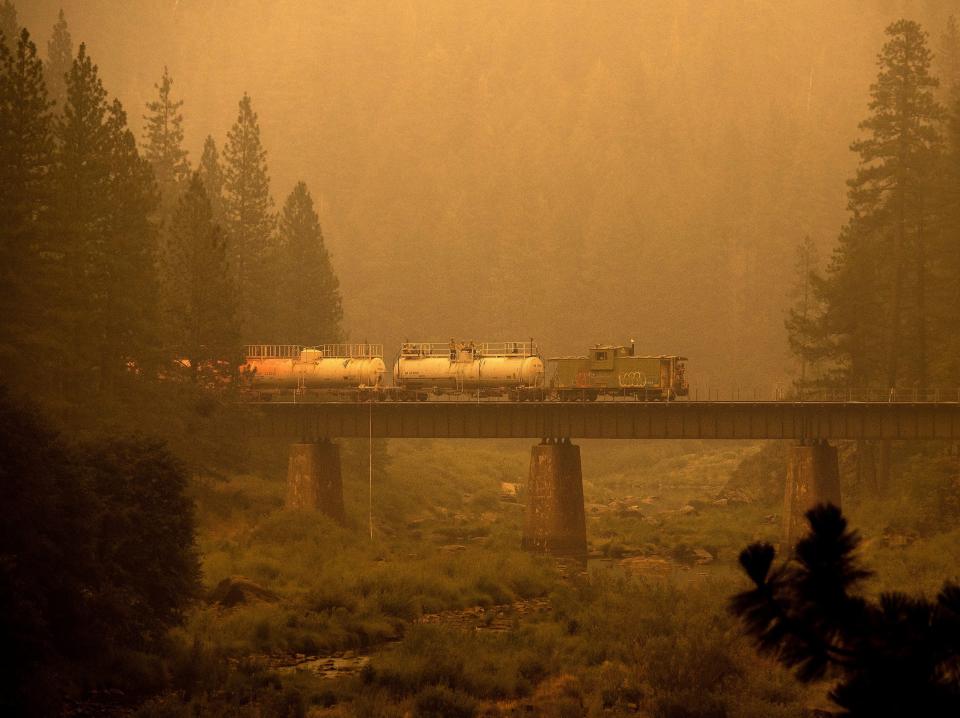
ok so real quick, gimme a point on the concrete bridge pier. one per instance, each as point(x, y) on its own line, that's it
point(813, 477)
point(555, 521)
point(314, 481)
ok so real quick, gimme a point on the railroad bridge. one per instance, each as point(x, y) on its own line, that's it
point(555, 516)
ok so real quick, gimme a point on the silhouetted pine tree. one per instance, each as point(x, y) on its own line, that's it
point(947, 255)
point(103, 245)
point(899, 656)
point(249, 223)
point(163, 144)
point(59, 60)
point(9, 27)
point(310, 309)
point(875, 295)
point(202, 313)
point(26, 146)
point(211, 174)
point(898, 160)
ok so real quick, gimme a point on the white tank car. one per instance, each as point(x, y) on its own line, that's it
point(275, 367)
point(467, 366)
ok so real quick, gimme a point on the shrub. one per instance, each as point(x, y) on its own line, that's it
point(441, 702)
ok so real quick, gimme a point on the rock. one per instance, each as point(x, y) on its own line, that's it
point(894, 538)
point(721, 502)
point(453, 547)
point(509, 490)
point(235, 590)
point(648, 566)
point(702, 556)
point(688, 510)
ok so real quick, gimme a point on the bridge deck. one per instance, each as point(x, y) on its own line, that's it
point(608, 420)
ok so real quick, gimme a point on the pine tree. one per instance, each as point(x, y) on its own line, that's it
point(802, 328)
point(163, 144)
point(128, 259)
point(26, 146)
point(81, 176)
point(59, 60)
point(104, 247)
point(946, 257)
point(249, 224)
point(9, 27)
point(897, 161)
point(875, 293)
point(211, 174)
point(896, 656)
point(202, 315)
point(310, 305)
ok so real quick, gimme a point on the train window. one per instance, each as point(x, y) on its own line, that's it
point(601, 356)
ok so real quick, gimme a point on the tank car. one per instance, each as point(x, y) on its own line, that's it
point(326, 370)
point(512, 369)
point(616, 370)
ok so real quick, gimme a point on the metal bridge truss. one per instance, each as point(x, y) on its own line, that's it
point(608, 420)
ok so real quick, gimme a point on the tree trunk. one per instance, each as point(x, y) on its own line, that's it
point(921, 302)
point(893, 346)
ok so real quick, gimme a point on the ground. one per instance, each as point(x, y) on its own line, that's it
point(440, 613)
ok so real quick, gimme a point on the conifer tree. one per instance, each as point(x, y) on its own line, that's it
point(202, 315)
point(104, 241)
point(896, 656)
point(128, 260)
point(898, 159)
point(249, 224)
point(163, 143)
point(211, 174)
point(875, 292)
point(9, 27)
point(81, 187)
point(59, 60)
point(26, 146)
point(802, 328)
point(946, 257)
point(310, 306)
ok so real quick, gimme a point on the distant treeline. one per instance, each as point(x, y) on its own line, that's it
point(121, 262)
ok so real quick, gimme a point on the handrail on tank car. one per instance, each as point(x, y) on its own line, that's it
point(294, 351)
point(356, 350)
point(479, 349)
point(273, 351)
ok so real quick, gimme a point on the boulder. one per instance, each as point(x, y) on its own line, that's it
point(235, 590)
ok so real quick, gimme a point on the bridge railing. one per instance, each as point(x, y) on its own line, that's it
point(825, 394)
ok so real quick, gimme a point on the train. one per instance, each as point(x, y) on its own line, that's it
point(422, 371)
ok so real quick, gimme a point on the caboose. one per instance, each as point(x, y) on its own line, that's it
point(610, 370)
